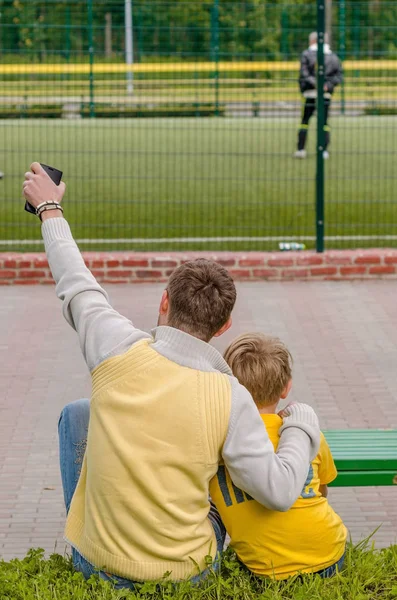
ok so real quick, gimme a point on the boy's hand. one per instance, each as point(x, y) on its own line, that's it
point(38, 187)
point(323, 490)
point(298, 411)
point(302, 416)
point(285, 412)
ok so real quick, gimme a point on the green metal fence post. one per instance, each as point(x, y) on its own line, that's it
point(342, 46)
point(215, 50)
point(68, 26)
point(320, 127)
point(284, 50)
point(91, 56)
point(356, 35)
point(139, 32)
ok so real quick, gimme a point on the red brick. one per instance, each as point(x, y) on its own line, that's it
point(10, 264)
point(40, 263)
point(309, 260)
point(96, 264)
point(135, 262)
point(142, 281)
point(280, 262)
point(295, 273)
point(26, 281)
point(159, 263)
point(113, 281)
point(340, 258)
point(112, 263)
point(251, 262)
point(24, 264)
point(7, 274)
point(265, 273)
point(31, 274)
point(368, 259)
point(98, 272)
point(5, 282)
point(121, 273)
point(225, 262)
point(318, 271)
point(240, 273)
point(353, 270)
point(382, 270)
point(149, 274)
point(391, 259)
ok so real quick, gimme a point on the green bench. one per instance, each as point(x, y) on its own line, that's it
point(364, 457)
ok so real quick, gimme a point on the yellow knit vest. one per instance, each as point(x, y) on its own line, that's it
point(154, 441)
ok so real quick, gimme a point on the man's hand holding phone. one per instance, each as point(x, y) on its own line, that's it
point(39, 188)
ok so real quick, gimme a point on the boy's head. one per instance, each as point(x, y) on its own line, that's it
point(263, 365)
point(199, 299)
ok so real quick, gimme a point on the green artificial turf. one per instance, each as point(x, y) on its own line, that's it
point(204, 178)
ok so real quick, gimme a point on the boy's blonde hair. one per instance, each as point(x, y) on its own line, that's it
point(262, 364)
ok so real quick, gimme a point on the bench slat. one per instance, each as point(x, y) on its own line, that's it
point(364, 478)
point(364, 456)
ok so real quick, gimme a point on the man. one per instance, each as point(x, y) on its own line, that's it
point(164, 411)
point(308, 84)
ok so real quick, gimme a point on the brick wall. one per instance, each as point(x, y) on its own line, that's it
point(132, 267)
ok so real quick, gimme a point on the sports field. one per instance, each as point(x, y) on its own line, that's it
point(146, 181)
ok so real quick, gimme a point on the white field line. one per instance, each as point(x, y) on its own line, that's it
point(195, 240)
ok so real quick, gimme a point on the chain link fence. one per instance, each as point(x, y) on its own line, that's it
point(176, 123)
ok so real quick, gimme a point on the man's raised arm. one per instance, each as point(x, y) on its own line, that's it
point(102, 331)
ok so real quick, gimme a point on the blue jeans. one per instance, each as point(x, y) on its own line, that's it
point(72, 430)
point(330, 571)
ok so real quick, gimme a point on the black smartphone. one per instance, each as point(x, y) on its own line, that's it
point(56, 177)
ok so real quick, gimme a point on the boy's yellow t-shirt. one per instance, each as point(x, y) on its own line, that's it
point(307, 538)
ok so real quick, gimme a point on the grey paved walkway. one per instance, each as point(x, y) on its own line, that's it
point(343, 337)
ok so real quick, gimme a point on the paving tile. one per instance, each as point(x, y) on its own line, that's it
point(343, 336)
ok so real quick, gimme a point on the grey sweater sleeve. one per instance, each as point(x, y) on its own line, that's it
point(273, 479)
point(102, 331)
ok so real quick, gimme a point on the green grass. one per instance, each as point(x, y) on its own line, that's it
point(173, 178)
point(367, 575)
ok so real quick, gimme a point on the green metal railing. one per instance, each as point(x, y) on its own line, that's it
point(320, 126)
point(185, 138)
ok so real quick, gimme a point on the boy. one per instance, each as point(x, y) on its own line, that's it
point(310, 537)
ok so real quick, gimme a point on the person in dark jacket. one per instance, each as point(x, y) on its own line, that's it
point(308, 85)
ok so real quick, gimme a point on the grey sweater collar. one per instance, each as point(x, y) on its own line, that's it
point(188, 351)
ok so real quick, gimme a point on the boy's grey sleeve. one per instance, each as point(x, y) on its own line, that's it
point(273, 479)
point(102, 331)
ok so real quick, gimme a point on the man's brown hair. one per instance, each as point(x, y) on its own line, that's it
point(201, 295)
point(262, 364)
